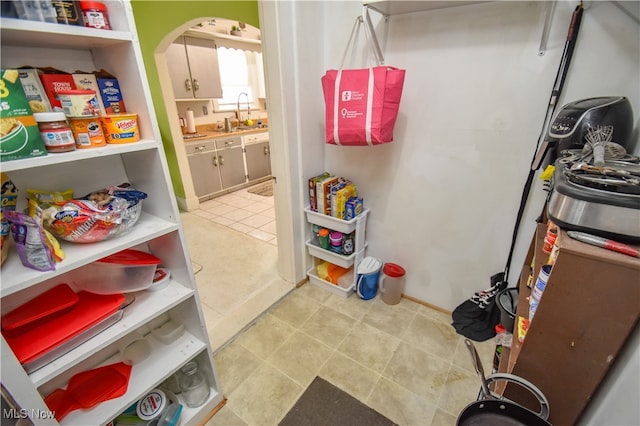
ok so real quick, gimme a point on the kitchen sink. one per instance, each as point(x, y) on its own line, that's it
point(255, 126)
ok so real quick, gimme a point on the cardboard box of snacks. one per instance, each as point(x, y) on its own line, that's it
point(36, 96)
point(19, 133)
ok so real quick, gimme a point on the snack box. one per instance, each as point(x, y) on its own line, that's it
point(111, 95)
point(19, 133)
point(55, 81)
point(87, 81)
point(33, 89)
point(313, 201)
point(353, 208)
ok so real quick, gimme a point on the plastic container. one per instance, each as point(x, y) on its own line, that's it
point(120, 128)
point(335, 238)
point(392, 283)
point(95, 15)
point(79, 103)
point(88, 132)
point(55, 131)
point(124, 272)
point(161, 279)
point(193, 384)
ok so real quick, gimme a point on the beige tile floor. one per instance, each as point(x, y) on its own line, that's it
point(251, 214)
point(405, 360)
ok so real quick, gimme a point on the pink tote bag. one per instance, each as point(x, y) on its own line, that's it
point(361, 105)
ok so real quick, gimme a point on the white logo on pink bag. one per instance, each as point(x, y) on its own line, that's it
point(346, 95)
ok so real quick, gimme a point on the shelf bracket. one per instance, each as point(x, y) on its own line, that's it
point(372, 33)
point(550, 8)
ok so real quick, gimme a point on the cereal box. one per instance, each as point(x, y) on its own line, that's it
point(109, 90)
point(36, 96)
point(86, 81)
point(19, 133)
point(353, 207)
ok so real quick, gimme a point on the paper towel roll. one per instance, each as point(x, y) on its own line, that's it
point(191, 123)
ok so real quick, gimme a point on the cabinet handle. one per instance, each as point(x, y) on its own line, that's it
point(221, 160)
point(196, 85)
point(187, 84)
point(266, 150)
point(215, 161)
point(228, 143)
point(200, 148)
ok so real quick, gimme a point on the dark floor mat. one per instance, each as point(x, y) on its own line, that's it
point(323, 404)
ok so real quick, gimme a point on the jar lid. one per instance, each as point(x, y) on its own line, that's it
point(323, 232)
point(393, 270)
point(46, 117)
point(92, 5)
point(151, 405)
point(189, 368)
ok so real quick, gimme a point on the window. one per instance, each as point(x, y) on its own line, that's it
point(240, 72)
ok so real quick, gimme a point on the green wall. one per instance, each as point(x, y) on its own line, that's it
point(154, 20)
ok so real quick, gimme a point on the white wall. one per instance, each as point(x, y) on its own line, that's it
point(444, 195)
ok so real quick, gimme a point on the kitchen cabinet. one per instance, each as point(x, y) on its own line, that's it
point(231, 161)
point(258, 155)
point(319, 254)
point(159, 230)
point(203, 161)
point(216, 165)
point(587, 311)
point(193, 67)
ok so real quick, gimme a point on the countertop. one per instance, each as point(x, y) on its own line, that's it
point(208, 131)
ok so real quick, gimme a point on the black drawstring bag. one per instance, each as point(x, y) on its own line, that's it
point(477, 317)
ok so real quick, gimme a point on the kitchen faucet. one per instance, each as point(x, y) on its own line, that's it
point(238, 107)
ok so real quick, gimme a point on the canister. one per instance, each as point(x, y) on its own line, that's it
point(95, 15)
point(88, 132)
point(120, 128)
point(335, 238)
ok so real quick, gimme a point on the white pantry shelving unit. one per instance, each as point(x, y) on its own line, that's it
point(159, 230)
point(357, 224)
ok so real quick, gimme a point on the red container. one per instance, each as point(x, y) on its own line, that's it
point(95, 15)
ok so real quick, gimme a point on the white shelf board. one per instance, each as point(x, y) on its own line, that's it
point(144, 376)
point(399, 7)
point(78, 154)
point(332, 256)
point(21, 32)
point(147, 304)
point(333, 223)
point(15, 276)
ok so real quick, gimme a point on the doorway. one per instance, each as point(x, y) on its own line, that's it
point(237, 269)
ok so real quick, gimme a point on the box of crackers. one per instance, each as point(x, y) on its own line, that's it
point(36, 96)
point(19, 133)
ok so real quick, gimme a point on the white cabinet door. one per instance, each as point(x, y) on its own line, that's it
point(179, 70)
point(193, 67)
point(203, 63)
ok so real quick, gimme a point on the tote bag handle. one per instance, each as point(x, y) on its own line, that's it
point(336, 97)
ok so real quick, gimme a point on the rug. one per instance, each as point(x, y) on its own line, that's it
point(265, 189)
point(324, 404)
